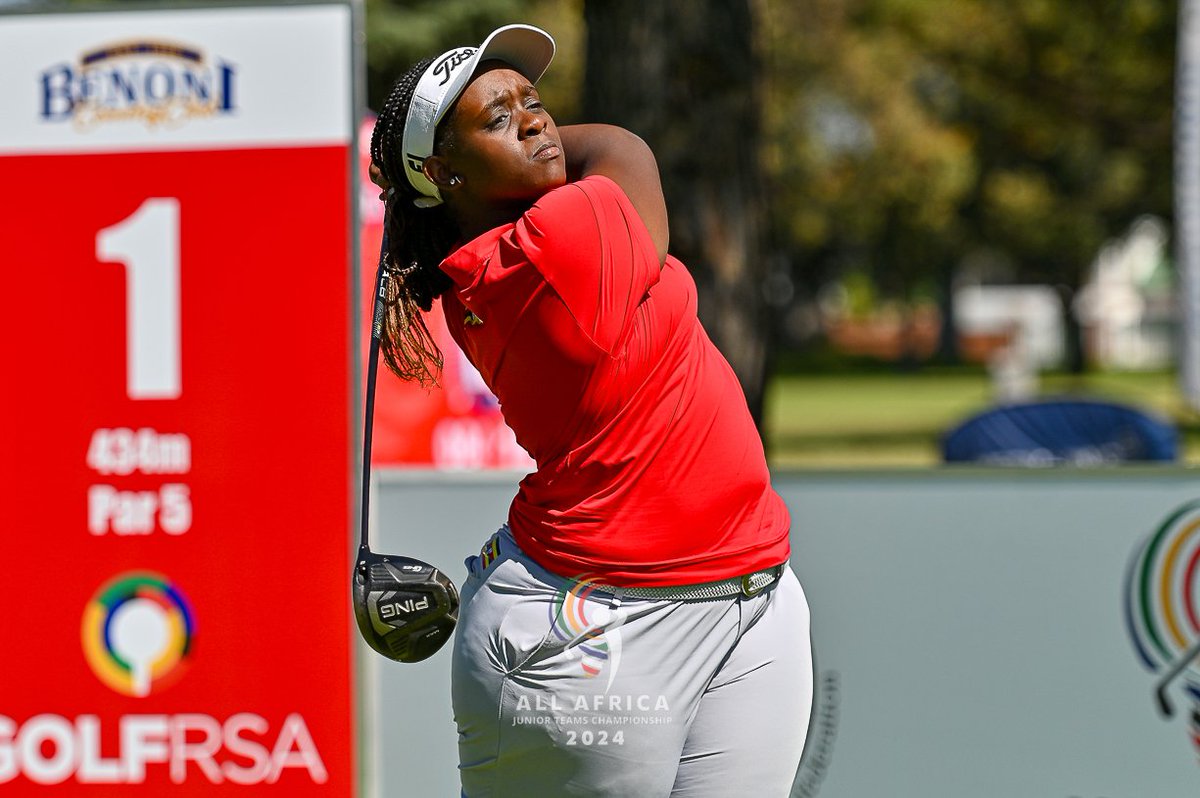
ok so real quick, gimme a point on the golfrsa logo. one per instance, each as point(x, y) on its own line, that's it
point(137, 633)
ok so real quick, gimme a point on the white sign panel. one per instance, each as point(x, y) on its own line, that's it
point(194, 78)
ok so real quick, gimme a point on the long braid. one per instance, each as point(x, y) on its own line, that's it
point(419, 239)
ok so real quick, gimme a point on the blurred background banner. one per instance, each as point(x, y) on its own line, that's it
point(177, 415)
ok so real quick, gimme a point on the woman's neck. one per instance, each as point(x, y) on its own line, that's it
point(474, 222)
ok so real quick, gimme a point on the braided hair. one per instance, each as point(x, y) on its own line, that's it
point(418, 239)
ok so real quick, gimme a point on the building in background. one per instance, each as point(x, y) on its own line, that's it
point(1127, 307)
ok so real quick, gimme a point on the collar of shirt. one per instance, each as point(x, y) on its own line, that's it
point(463, 265)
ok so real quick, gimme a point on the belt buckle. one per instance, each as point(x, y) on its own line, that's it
point(748, 590)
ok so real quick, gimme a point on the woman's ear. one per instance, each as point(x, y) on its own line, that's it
point(439, 173)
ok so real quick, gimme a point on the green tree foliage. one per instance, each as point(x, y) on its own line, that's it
point(401, 32)
point(685, 76)
point(908, 135)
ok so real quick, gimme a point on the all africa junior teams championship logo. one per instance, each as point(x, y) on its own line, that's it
point(588, 626)
point(137, 632)
point(1162, 609)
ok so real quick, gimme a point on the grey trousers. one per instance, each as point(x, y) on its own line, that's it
point(561, 689)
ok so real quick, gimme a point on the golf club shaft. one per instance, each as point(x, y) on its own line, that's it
point(381, 280)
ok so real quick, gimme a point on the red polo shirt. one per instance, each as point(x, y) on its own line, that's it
point(649, 468)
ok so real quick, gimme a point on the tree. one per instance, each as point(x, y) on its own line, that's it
point(909, 136)
point(685, 76)
point(401, 33)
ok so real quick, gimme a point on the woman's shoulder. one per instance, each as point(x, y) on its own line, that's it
point(587, 191)
point(579, 220)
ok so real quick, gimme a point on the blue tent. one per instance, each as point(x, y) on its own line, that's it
point(1061, 432)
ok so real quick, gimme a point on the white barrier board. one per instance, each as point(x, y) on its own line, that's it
point(971, 630)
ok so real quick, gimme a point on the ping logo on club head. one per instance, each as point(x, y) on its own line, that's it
point(589, 627)
point(389, 610)
point(137, 633)
point(1162, 609)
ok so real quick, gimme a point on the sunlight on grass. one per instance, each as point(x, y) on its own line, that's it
point(872, 420)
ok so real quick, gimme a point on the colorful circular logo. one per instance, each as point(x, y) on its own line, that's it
point(569, 616)
point(1162, 603)
point(137, 633)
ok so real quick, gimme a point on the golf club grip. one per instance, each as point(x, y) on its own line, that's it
point(381, 280)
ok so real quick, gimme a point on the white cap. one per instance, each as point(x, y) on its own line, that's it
point(525, 48)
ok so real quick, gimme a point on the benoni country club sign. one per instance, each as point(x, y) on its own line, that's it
point(157, 82)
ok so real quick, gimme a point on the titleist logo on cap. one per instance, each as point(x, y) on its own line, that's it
point(450, 62)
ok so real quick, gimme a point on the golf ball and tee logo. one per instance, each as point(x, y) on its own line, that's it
point(137, 633)
point(1162, 610)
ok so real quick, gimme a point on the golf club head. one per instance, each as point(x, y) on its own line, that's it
point(406, 609)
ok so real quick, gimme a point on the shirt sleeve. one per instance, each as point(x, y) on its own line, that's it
point(595, 252)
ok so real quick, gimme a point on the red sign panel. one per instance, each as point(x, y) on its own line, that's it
point(176, 420)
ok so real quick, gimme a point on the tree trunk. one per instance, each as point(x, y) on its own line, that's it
point(684, 75)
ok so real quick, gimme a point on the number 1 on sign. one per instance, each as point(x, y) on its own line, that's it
point(148, 244)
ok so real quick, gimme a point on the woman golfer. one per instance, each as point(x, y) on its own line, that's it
point(634, 628)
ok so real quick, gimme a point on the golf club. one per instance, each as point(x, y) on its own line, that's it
point(406, 609)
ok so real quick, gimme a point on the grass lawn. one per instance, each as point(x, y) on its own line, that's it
point(886, 419)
